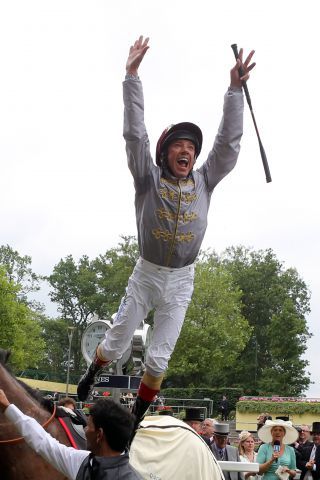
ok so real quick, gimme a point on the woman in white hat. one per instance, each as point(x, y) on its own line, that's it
point(246, 451)
point(277, 459)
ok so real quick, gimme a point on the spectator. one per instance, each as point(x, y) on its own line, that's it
point(246, 451)
point(224, 408)
point(307, 454)
point(275, 463)
point(109, 429)
point(207, 428)
point(67, 402)
point(222, 451)
point(194, 418)
point(304, 438)
point(262, 418)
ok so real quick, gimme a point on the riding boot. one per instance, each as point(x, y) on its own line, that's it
point(139, 409)
point(87, 380)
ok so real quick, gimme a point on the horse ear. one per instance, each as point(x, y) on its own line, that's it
point(4, 356)
point(8, 353)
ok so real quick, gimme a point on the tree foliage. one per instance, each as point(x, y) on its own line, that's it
point(19, 326)
point(214, 331)
point(18, 270)
point(91, 287)
point(275, 303)
point(113, 270)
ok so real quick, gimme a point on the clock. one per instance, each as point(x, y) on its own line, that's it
point(135, 353)
point(92, 336)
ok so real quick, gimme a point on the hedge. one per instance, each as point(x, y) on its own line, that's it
point(298, 408)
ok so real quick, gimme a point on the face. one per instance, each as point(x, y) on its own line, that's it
point(248, 444)
point(207, 428)
point(93, 436)
point(304, 435)
point(69, 405)
point(316, 438)
point(278, 433)
point(196, 425)
point(181, 157)
point(221, 440)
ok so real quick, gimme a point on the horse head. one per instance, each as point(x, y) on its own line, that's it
point(17, 460)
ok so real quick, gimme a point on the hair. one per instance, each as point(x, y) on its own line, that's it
point(304, 425)
point(243, 436)
point(115, 420)
point(65, 400)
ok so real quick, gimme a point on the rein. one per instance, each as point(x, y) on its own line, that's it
point(14, 441)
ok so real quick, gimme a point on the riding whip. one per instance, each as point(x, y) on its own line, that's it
point(246, 92)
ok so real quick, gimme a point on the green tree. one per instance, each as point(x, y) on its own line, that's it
point(18, 270)
point(74, 289)
point(275, 303)
point(55, 361)
point(91, 287)
point(20, 329)
point(113, 270)
point(214, 332)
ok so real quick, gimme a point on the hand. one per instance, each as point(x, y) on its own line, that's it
point(275, 455)
point(4, 402)
point(235, 78)
point(136, 54)
point(309, 465)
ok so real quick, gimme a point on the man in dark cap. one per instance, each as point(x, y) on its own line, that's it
point(194, 417)
point(172, 202)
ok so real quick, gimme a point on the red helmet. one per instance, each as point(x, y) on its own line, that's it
point(184, 130)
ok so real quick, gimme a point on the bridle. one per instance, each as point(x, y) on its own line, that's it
point(14, 441)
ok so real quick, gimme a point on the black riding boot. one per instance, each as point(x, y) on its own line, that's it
point(139, 409)
point(87, 380)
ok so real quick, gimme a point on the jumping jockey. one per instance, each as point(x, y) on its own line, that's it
point(172, 201)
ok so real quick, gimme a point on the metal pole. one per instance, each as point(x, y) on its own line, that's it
point(70, 335)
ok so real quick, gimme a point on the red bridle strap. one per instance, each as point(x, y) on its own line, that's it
point(14, 441)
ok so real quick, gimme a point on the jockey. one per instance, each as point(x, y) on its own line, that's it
point(172, 201)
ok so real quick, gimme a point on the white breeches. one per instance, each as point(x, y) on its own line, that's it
point(168, 291)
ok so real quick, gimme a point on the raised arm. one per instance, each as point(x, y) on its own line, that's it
point(134, 130)
point(226, 148)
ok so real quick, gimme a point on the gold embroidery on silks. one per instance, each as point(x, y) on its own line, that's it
point(166, 235)
point(182, 218)
point(182, 181)
point(188, 197)
point(173, 196)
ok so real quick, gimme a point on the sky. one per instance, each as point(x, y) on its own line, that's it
point(65, 187)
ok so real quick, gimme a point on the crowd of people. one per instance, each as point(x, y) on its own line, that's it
point(281, 449)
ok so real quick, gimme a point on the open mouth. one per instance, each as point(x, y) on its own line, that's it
point(183, 162)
